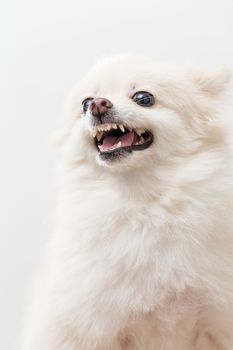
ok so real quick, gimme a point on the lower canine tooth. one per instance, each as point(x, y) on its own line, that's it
point(118, 145)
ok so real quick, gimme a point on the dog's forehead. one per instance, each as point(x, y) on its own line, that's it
point(126, 74)
point(115, 76)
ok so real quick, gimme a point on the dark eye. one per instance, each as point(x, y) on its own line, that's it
point(86, 103)
point(144, 98)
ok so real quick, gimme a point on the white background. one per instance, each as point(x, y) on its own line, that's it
point(45, 47)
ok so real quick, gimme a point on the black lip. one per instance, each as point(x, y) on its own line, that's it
point(124, 151)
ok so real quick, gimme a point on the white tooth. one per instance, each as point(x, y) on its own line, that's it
point(118, 144)
point(121, 127)
point(114, 126)
point(109, 127)
point(99, 127)
point(99, 136)
point(139, 131)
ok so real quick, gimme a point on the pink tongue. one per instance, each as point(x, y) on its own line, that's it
point(110, 142)
point(126, 139)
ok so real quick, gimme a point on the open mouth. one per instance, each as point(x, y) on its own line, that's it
point(116, 139)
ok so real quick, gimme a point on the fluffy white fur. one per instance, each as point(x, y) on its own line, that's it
point(142, 251)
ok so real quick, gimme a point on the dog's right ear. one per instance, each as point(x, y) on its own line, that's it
point(214, 84)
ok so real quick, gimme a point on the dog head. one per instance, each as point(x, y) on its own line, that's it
point(131, 112)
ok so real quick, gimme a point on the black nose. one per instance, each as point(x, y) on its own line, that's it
point(100, 106)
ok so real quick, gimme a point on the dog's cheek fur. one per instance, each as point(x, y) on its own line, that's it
point(172, 137)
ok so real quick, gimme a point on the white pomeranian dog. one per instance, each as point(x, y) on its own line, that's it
point(142, 251)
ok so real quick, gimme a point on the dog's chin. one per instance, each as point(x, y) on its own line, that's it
point(123, 161)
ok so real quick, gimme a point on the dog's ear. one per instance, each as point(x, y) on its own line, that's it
point(212, 84)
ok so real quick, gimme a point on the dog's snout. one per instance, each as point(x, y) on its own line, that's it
point(100, 106)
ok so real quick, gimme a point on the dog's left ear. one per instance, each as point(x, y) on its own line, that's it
point(212, 84)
